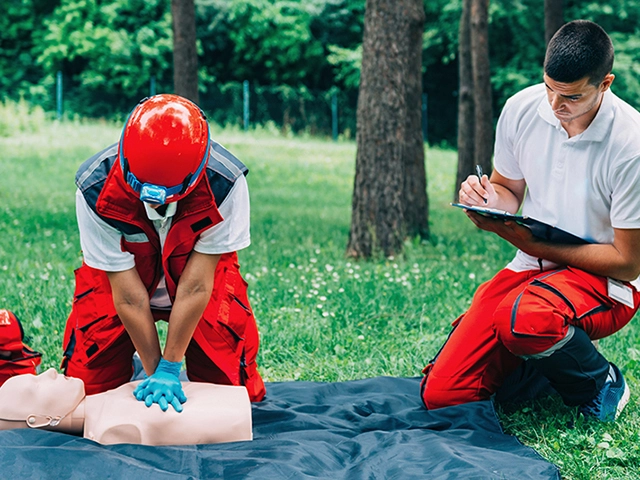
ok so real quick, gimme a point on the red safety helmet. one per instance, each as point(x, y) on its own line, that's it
point(164, 148)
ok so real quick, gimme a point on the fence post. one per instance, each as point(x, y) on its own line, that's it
point(425, 125)
point(59, 95)
point(334, 115)
point(245, 97)
point(152, 86)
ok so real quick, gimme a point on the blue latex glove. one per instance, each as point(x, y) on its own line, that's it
point(163, 387)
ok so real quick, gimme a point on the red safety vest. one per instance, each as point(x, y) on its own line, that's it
point(195, 213)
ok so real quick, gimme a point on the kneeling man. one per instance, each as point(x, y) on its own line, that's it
point(567, 151)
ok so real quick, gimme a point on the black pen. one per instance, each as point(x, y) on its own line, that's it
point(480, 173)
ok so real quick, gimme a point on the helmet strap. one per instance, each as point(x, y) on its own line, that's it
point(185, 184)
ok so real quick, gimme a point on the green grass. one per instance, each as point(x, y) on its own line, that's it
point(321, 316)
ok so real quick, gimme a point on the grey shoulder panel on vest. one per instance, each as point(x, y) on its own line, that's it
point(223, 169)
point(95, 170)
point(90, 179)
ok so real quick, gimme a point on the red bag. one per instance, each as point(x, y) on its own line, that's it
point(15, 357)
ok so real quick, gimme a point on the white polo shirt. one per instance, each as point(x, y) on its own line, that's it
point(101, 243)
point(588, 184)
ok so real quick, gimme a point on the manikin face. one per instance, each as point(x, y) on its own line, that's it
point(576, 100)
point(49, 393)
point(52, 384)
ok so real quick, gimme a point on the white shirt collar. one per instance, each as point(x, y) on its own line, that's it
point(153, 215)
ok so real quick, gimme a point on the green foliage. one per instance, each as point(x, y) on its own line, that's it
point(266, 41)
point(440, 39)
point(20, 24)
point(516, 39)
point(347, 64)
point(339, 26)
point(109, 49)
point(272, 40)
point(627, 67)
point(90, 43)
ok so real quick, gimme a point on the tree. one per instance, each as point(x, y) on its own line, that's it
point(482, 103)
point(415, 201)
point(475, 112)
point(389, 138)
point(185, 55)
point(466, 134)
point(553, 18)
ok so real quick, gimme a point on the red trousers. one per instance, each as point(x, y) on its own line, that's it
point(514, 315)
point(223, 350)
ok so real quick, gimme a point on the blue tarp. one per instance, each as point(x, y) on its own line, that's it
point(365, 429)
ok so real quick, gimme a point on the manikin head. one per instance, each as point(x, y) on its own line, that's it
point(577, 70)
point(49, 400)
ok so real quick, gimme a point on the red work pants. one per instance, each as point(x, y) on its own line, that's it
point(517, 314)
point(223, 350)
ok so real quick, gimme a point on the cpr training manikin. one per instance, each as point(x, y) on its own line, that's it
point(52, 401)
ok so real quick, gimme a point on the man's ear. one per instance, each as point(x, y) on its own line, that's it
point(607, 81)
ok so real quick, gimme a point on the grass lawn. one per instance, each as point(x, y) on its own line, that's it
point(321, 316)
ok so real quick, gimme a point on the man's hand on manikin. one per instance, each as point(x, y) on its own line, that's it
point(163, 387)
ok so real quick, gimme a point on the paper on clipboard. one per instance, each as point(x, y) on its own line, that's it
point(539, 229)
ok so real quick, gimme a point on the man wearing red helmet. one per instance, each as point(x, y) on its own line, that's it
point(161, 215)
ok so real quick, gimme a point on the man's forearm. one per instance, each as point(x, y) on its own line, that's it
point(598, 259)
point(131, 301)
point(506, 200)
point(140, 325)
point(620, 259)
point(185, 314)
point(193, 294)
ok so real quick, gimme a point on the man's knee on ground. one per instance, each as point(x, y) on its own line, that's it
point(440, 393)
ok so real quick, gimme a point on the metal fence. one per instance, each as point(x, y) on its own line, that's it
point(297, 110)
point(242, 104)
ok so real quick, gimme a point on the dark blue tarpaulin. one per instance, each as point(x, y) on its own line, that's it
point(364, 429)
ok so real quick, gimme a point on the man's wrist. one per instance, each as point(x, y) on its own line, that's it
point(169, 367)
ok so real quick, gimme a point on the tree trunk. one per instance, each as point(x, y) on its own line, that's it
point(483, 112)
point(185, 55)
point(553, 18)
point(416, 212)
point(466, 142)
point(389, 134)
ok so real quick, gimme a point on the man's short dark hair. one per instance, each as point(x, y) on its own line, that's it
point(579, 49)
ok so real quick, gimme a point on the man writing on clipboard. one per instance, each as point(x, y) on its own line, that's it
point(568, 151)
